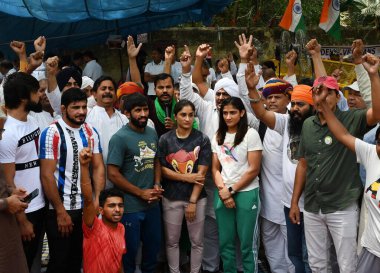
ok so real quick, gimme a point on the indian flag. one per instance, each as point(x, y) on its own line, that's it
point(330, 19)
point(293, 19)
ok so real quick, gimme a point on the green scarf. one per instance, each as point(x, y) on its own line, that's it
point(161, 115)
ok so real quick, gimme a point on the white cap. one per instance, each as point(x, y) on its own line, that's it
point(354, 86)
point(87, 81)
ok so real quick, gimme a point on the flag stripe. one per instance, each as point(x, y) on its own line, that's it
point(287, 19)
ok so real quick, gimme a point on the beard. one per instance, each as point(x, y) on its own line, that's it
point(296, 122)
point(33, 106)
point(72, 120)
point(138, 123)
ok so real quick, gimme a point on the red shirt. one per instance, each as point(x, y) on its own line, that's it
point(103, 247)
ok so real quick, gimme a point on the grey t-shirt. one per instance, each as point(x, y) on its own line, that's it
point(134, 154)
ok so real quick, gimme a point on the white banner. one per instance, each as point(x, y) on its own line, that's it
point(326, 51)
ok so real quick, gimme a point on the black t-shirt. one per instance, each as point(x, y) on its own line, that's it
point(183, 155)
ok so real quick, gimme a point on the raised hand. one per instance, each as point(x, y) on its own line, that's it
point(52, 66)
point(357, 49)
point(313, 47)
point(85, 155)
point(251, 78)
point(245, 47)
point(290, 58)
point(35, 59)
point(186, 60)
point(371, 64)
point(223, 65)
point(132, 50)
point(40, 44)
point(169, 53)
point(18, 47)
point(319, 96)
point(202, 51)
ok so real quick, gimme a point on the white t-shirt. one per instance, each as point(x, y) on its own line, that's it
point(367, 156)
point(272, 186)
point(19, 145)
point(289, 160)
point(234, 160)
point(67, 172)
point(153, 69)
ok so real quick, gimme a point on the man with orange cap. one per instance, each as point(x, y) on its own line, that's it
point(289, 126)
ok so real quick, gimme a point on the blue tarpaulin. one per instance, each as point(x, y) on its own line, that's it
point(80, 23)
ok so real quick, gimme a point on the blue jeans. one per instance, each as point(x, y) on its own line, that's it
point(297, 250)
point(144, 226)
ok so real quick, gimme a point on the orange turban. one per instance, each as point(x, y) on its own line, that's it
point(128, 88)
point(303, 93)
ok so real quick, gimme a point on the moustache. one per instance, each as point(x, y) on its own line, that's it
point(107, 95)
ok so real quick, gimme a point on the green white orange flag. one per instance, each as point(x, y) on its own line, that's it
point(293, 19)
point(330, 19)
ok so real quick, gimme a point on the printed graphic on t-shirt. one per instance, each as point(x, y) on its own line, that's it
point(229, 151)
point(182, 161)
point(373, 191)
point(292, 148)
point(146, 158)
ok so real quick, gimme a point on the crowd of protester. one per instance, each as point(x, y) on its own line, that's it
point(184, 168)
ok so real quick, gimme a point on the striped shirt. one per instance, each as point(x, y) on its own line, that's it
point(63, 143)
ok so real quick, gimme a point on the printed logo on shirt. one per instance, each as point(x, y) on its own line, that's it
point(182, 161)
point(328, 140)
point(229, 151)
point(292, 149)
point(27, 165)
point(75, 171)
point(33, 136)
point(373, 191)
point(146, 158)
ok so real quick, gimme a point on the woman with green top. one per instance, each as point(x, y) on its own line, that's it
point(236, 163)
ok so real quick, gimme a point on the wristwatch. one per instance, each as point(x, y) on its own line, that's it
point(231, 190)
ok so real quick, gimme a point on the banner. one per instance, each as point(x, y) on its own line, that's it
point(326, 51)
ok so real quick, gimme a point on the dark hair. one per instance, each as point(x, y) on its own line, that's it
point(73, 95)
point(176, 86)
point(161, 77)
point(269, 64)
point(157, 49)
point(19, 86)
point(134, 100)
point(6, 64)
point(242, 125)
point(205, 64)
point(77, 56)
point(377, 133)
point(89, 54)
point(307, 81)
point(102, 79)
point(104, 194)
point(181, 104)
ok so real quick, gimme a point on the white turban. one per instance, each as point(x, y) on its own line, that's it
point(229, 86)
point(87, 81)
